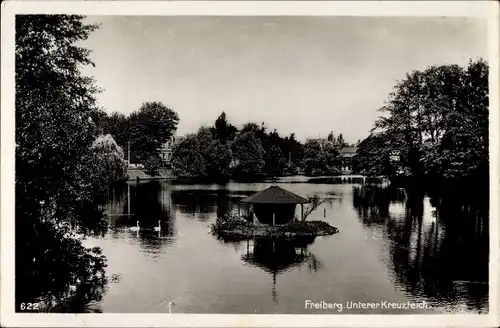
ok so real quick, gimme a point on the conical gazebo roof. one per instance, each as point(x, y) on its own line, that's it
point(275, 195)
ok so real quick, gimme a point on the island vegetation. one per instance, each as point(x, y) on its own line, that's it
point(236, 228)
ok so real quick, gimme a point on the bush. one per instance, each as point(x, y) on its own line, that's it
point(152, 166)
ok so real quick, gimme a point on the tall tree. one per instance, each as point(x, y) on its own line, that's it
point(437, 122)
point(151, 126)
point(320, 160)
point(373, 157)
point(59, 196)
point(248, 156)
point(110, 155)
point(274, 155)
point(341, 142)
point(188, 161)
point(223, 130)
point(201, 156)
point(118, 126)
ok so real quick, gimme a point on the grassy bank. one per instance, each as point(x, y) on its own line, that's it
point(235, 227)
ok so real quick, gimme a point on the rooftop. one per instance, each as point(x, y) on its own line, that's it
point(275, 195)
point(348, 150)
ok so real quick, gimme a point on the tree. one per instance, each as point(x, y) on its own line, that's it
point(188, 161)
point(314, 202)
point(248, 156)
point(200, 156)
point(340, 141)
point(312, 163)
point(293, 149)
point(218, 159)
point(118, 126)
point(274, 155)
point(437, 121)
point(109, 158)
point(152, 165)
point(274, 161)
point(222, 130)
point(320, 160)
point(151, 126)
point(58, 195)
point(373, 156)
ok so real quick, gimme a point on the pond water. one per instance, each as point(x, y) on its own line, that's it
point(390, 247)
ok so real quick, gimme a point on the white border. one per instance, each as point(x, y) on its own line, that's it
point(8, 318)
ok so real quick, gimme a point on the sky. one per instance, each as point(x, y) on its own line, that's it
point(303, 74)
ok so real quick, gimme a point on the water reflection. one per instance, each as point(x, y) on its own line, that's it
point(278, 255)
point(201, 203)
point(398, 244)
point(149, 204)
point(438, 250)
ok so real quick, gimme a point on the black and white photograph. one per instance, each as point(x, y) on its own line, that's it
point(249, 164)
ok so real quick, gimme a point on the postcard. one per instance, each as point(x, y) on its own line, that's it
point(260, 164)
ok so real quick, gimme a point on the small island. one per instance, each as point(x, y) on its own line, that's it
point(271, 213)
point(239, 228)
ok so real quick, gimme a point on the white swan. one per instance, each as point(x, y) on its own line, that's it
point(158, 228)
point(135, 228)
point(171, 304)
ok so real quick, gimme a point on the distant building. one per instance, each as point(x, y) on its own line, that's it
point(167, 148)
point(347, 154)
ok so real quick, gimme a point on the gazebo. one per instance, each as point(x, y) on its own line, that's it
point(275, 205)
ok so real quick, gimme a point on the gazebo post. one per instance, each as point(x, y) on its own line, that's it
point(274, 218)
point(302, 212)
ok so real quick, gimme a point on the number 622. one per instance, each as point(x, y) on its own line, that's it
point(29, 306)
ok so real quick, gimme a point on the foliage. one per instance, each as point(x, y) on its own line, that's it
point(214, 153)
point(222, 130)
point(108, 159)
point(200, 156)
point(62, 171)
point(341, 142)
point(151, 126)
point(248, 156)
point(373, 156)
point(294, 149)
point(218, 157)
point(187, 158)
point(236, 227)
point(152, 165)
point(320, 159)
point(436, 123)
point(291, 168)
point(118, 125)
point(314, 202)
point(274, 161)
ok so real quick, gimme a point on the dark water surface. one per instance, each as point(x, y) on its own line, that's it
point(391, 247)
